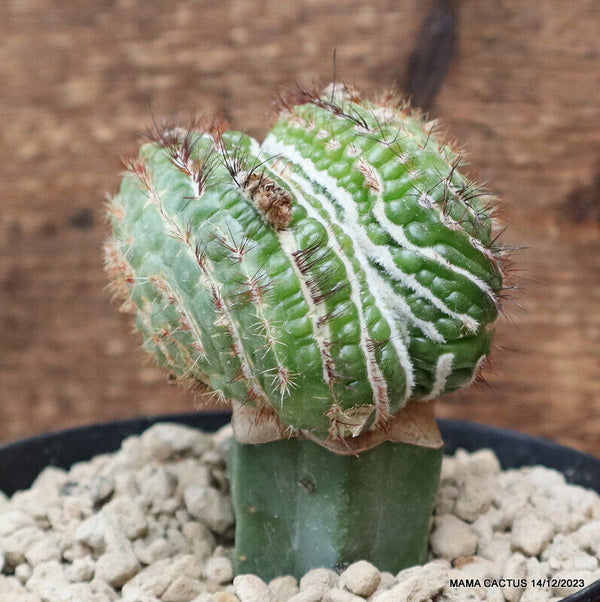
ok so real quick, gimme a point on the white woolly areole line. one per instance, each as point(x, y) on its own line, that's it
point(375, 376)
point(480, 362)
point(321, 329)
point(451, 223)
point(280, 377)
point(397, 232)
point(321, 332)
point(443, 370)
point(385, 292)
point(379, 254)
point(206, 279)
point(238, 346)
point(189, 321)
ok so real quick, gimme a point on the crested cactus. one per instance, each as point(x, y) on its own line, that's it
point(330, 281)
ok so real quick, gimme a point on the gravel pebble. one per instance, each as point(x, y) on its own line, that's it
point(530, 534)
point(131, 516)
point(360, 578)
point(587, 538)
point(475, 495)
point(452, 538)
point(46, 548)
point(18, 542)
point(313, 594)
point(81, 569)
point(165, 440)
point(182, 589)
point(209, 506)
point(319, 579)
point(225, 597)
point(250, 588)
point(219, 570)
point(514, 571)
point(117, 568)
point(142, 525)
point(283, 588)
point(340, 595)
point(417, 584)
point(13, 520)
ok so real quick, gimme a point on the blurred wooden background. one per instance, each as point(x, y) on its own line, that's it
point(79, 80)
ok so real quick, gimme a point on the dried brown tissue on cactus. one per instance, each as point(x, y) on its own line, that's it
point(331, 282)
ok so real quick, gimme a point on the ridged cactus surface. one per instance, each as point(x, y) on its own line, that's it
point(333, 273)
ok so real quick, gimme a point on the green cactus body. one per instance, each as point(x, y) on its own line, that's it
point(332, 275)
point(299, 506)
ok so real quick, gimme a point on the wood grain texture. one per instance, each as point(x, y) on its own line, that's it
point(80, 79)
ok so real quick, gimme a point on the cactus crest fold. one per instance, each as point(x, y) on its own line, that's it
point(326, 277)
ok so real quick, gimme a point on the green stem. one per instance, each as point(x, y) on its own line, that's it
point(299, 506)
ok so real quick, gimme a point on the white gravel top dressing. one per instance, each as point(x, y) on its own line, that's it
point(153, 522)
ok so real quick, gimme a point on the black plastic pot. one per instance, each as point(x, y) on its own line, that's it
point(22, 461)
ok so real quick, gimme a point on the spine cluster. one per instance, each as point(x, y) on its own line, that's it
point(331, 274)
